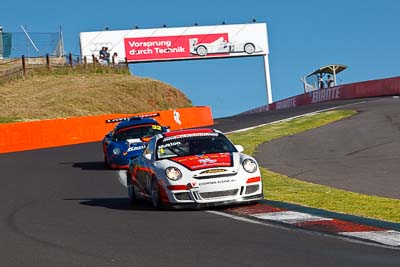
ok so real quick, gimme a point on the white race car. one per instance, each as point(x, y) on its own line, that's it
point(195, 168)
point(221, 46)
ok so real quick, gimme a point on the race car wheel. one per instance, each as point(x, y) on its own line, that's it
point(106, 163)
point(201, 51)
point(155, 194)
point(131, 189)
point(249, 48)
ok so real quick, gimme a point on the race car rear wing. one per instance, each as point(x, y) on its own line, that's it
point(138, 117)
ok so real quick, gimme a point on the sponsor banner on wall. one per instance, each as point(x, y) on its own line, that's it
point(373, 88)
point(195, 42)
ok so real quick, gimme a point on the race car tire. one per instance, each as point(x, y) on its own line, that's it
point(131, 189)
point(106, 163)
point(155, 194)
point(249, 48)
point(201, 51)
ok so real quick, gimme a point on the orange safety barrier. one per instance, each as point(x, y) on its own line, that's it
point(59, 132)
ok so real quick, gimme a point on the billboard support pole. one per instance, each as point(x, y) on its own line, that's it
point(267, 79)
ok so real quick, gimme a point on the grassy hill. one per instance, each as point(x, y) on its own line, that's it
point(45, 96)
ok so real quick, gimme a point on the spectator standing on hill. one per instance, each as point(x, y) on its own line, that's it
point(103, 56)
point(107, 55)
point(102, 53)
point(115, 58)
point(321, 82)
point(330, 81)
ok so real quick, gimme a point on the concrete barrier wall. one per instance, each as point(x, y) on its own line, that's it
point(59, 132)
point(373, 88)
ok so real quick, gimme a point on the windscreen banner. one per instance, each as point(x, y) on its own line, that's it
point(180, 43)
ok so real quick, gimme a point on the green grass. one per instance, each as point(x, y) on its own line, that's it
point(279, 187)
point(79, 69)
point(8, 119)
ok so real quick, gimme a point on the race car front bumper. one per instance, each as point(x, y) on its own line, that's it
point(193, 197)
point(195, 205)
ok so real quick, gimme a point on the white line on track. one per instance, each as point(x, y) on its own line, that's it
point(390, 241)
point(244, 219)
point(291, 217)
point(121, 176)
point(390, 237)
point(295, 117)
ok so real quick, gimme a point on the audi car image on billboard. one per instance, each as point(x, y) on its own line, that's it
point(221, 46)
point(138, 45)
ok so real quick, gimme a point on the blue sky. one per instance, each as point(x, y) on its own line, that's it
point(303, 35)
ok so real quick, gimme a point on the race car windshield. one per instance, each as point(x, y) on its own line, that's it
point(135, 132)
point(188, 146)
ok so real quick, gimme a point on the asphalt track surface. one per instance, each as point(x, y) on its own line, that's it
point(60, 207)
point(359, 154)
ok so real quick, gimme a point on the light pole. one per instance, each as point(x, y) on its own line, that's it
point(1, 43)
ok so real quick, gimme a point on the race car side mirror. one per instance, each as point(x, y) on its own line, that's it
point(239, 148)
point(147, 156)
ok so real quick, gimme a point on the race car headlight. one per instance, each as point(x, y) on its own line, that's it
point(116, 151)
point(173, 173)
point(249, 165)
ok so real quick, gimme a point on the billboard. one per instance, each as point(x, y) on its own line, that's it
point(180, 43)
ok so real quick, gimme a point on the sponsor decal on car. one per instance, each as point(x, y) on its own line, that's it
point(135, 148)
point(223, 181)
point(181, 136)
point(213, 171)
point(205, 161)
point(177, 143)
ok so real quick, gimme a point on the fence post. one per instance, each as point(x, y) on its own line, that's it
point(70, 59)
point(84, 62)
point(47, 62)
point(23, 66)
point(77, 60)
point(94, 60)
point(126, 62)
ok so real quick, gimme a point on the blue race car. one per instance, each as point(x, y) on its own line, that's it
point(128, 139)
